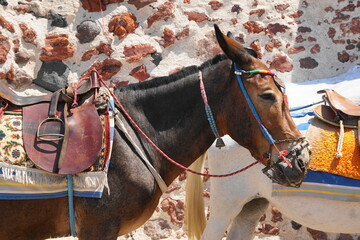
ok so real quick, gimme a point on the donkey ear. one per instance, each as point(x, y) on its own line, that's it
point(233, 49)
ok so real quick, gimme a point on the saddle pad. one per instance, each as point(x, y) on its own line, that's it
point(319, 184)
point(21, 179)
point(323, 140)
point(12, 146)
point(322, 185)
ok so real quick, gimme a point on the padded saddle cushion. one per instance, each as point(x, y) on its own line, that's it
point(81, 145)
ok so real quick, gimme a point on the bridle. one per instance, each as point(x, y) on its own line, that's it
point(283, 155)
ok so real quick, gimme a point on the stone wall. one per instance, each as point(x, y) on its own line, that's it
point(55, 42)
point(49, 42)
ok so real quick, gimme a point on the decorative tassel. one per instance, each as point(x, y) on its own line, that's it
point(219, 143)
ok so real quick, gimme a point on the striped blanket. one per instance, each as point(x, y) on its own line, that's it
point(320, 184)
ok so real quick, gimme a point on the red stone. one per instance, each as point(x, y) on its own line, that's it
point(274, 28)
point(331, 32)
point(10, 75)
point(175, 209)
point(315, 49)
point(105, 48)
point(304, 29)
point(253, 27)
point(118, 84)
point(349, 8)
point(20, 80)
point(123, 24)
point(135, 52)
point(21, 57)
point(141, 3)
point(339, 41)
point(16, 43)
point(352, 27)
point(89, 54)
point(98, 5)
point(308, 63)
point(317, 235)
point(184, 33)
point(275, 43)
point(258, 12)
point(296, 50)
point(343, 56)
point(329, 9)
point(164, 12)
point(29, 35)
point(236, 8)
point(108, 68)
point(168, 38)
point(276, 215)
point(340, 17)
point(196, 16)
point(281, 64)
point(282, 7)
point(22, 8)
point(312, 39)
point(5, 24)
point(269, 46)
point(4, 48)
point(297, 14)
point(269, 230)
point(57, 47)
point(140, 73)
point(234, 21)
point(215, 5)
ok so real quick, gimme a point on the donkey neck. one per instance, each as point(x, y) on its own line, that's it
point(171, 112)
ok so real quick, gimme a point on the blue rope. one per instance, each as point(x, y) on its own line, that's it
point(251, 105)
point(210, 118)
point(69, 178)
point(305, 106)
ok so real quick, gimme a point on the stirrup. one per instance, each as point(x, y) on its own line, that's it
point(50, 136)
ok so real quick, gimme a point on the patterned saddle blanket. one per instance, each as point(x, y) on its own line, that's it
point(20, 178)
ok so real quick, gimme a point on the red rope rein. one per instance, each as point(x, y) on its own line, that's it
point(164, 154)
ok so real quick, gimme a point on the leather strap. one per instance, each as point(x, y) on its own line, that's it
point(65, 140)
point(151, 168)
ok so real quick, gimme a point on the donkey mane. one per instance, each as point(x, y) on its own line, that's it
point(159, 81)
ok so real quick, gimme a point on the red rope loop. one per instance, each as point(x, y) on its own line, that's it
point(164, 154)
point(76, 85)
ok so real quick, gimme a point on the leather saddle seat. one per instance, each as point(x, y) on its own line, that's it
point(339, 109)
point(60, 137)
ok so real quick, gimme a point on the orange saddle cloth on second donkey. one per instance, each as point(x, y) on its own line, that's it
point(334, 136)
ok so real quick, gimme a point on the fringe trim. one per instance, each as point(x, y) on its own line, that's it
point(25, 175)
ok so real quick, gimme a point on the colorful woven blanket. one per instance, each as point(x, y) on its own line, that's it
point(324, 139)
point(20, 179)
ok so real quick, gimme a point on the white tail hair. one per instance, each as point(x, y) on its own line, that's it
point(194, 201)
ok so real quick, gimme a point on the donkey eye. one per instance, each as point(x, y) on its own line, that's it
point(268, 96)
